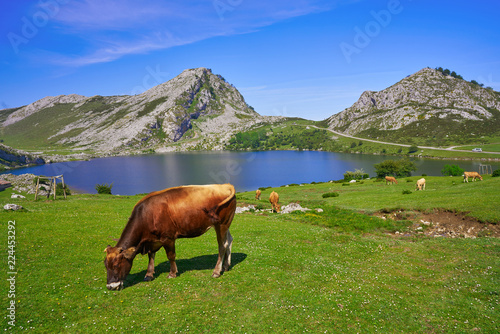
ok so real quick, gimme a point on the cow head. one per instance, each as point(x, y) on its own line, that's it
point(118, 263)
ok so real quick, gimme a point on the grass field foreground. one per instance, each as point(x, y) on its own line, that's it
point(289, 272)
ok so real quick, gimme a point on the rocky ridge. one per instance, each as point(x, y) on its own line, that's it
point(424, 95)
point(197, 106)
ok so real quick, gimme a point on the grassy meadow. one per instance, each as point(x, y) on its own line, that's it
point(337, 271)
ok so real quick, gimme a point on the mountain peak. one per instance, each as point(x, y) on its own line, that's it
point(424, 95)
point(193, 105)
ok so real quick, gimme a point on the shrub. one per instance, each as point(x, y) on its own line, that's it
point(259, 207)
point(358, 174)
point(452, 170)
point(412, 149)
point(496, 173)
point(399, 168)
point(406, 192)
point(104, 188)
point(60, 190)
point(333, 194)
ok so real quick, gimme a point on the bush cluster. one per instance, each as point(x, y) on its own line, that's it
point(400, 168)
point(104, 188)
point(60, 190)
point(357, 175)
point(496, 173)
point(452, 170)
point(332, 194)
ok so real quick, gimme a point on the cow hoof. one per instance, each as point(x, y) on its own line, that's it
point(148, 278)
point(172, 276)
point(214, 275)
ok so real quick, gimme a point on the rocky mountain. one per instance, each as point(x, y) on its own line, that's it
point(197, 108)
point(427, 104)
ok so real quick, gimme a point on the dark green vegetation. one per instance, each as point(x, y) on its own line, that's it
point(334, 271)
point(289, 135)
point(452, 170)
point(104, 189)
point(358, 174)
point(399, 168)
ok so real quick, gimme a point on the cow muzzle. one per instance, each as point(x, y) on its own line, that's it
point(115, 286)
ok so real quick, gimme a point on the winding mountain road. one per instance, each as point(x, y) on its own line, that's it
point(395, 144)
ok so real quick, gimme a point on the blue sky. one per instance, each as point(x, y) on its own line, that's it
point(304, 58)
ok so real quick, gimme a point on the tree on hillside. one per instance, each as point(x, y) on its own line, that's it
point(413, 149)
point(395, 168)
point(452, 170)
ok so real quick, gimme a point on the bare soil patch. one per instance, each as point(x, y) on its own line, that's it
point(442, 223)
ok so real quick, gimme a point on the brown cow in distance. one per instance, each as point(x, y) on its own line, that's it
point(390, 179)
point(274, 199)
point(473, 175)
point(257, 194)
point(161, 217)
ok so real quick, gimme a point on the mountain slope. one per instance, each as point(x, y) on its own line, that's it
point(428, 107)
point(155, 119)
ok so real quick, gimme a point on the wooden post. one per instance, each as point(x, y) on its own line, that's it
point(64, 186)
point(55, 182)
point(50, 188)
point(37, 185)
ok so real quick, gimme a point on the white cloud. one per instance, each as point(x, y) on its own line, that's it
point(111, 29)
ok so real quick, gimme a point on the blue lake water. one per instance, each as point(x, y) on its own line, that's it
point(245, 170)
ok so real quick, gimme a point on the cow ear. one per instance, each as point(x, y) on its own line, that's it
point(129, 253)
point(106, 250)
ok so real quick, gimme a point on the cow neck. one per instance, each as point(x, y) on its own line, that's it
point(131, 235)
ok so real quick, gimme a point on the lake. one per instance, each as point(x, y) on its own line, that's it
point(245, 170)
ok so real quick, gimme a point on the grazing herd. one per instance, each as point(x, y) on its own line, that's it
point(421, 182)
point(161, 217)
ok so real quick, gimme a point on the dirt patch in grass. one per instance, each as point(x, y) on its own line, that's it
point(442, 223)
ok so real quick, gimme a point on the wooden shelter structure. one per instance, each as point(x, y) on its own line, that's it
point(485, 169)
point(52, 185)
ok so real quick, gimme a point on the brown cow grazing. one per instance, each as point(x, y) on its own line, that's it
point(161, 217)
point(420, 184)
point(473, 175)
point(257, 194)
point(274, 199)
point(390, 179)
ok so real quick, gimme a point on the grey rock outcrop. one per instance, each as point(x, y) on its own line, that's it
point(197, 106)
point(427, 94)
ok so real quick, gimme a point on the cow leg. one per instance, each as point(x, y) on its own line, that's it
point(151, 267)
point(228, 246)
point(222, 241)
point(170, 249)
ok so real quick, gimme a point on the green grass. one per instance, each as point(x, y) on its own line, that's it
point(494, 147)
point(332, 272)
